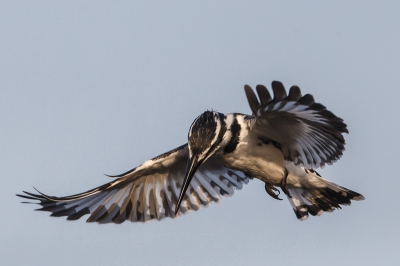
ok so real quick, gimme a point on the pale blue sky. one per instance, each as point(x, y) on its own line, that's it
point(99, 87)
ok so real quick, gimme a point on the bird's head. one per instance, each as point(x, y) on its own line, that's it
point(205, 135)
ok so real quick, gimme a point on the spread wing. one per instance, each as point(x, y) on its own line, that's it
point(308, 133)
point(147, 192)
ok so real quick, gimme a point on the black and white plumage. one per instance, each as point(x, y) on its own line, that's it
point(308, 133)
point(148, 192)
point(279, 144)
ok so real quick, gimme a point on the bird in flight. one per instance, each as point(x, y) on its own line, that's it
point(281, 144)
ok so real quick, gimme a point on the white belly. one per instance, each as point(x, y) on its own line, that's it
point(260, 160)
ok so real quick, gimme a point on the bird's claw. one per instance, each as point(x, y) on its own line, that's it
point(270, 190)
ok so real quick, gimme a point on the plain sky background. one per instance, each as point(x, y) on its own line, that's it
point(93, 87)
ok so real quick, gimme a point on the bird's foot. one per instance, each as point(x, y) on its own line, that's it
point(283, 183)
point(270, 190)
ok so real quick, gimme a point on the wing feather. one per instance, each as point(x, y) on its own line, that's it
point(279, 91)
point(264, 95)
point(308, 133)
point(149, 192)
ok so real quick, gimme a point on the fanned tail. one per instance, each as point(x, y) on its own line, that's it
point(311, 194)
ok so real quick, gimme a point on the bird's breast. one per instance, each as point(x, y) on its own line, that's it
point(253, 156)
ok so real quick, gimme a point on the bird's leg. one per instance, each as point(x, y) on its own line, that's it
point(270, 190)
point(283, 183)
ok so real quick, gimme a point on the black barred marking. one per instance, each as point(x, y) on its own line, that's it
point(234, 141)
point(313, 171)
point(276, 144)
point(313, 210)
point(221, 190)
point(52, 207)
point(79, 214)
point(265, 140)
point(96, 214)
point(269, 141)
point(111, 213)
point(134, 197)
point(232, 174)
point(221, 133)
point(103, 216)
point(119, 218)
point(63, 212)
point(129, 209)
point(315, 201)
point(138, 213)
point(339, 197)
point(301, 211)
point(325, 204)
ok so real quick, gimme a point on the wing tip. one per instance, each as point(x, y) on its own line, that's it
point(252, 99)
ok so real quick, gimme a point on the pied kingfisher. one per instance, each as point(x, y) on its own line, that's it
point(280, 144)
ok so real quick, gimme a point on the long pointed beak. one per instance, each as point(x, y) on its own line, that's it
point(191, 168)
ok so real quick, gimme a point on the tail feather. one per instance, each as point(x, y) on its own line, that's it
point(315, 195)
point(298, 204)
